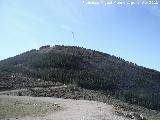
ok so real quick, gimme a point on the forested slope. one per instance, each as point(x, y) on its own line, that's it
point(89, 69)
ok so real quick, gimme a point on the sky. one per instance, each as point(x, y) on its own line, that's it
point(129, 32)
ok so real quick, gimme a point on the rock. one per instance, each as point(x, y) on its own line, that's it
point(119, 113)
point(55, 104)
point(136, 116)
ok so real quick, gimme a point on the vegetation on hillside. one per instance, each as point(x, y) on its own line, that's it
point(89, 69)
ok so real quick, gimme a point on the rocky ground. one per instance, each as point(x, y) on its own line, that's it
point(70, 92)
point(37, 88)
point(16, 81)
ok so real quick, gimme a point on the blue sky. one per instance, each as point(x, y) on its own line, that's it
point(130, 32)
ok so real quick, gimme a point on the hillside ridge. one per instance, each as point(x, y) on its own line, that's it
point(88, 69)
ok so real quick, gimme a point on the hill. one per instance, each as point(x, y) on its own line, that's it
point(88, 69)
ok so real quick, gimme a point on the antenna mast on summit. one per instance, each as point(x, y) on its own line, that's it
point(73, 35)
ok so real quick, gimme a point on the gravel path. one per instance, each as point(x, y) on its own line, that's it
point(60, 109)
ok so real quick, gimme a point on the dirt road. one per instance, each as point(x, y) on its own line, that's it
point(47, 108)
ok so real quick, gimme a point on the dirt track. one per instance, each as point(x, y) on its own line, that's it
point(67, 109)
